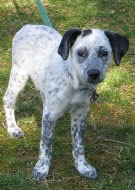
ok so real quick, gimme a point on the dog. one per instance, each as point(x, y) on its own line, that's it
point(66, 70)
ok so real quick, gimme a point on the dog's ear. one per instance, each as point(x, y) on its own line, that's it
point(119, 44)
point(67, 42)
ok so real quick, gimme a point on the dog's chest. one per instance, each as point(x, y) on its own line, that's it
point(80, 97)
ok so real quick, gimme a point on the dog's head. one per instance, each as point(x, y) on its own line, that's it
point(90, 52)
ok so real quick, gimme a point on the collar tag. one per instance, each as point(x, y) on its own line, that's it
point(94, 96)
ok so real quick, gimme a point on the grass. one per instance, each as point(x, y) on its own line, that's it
point(110, 122)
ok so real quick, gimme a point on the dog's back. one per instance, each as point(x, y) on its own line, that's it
point(33, 37)
point(35, 49)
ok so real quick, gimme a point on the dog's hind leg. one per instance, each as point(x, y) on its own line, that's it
point(17, 81)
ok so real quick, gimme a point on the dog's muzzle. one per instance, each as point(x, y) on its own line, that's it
point(94, 76)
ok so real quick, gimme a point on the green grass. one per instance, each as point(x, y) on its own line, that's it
point(110, 134)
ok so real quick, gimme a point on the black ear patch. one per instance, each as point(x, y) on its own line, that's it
point(119, 44)
point(86, 32)
point(67, 42)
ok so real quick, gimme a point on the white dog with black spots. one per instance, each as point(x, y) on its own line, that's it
point(66, 70)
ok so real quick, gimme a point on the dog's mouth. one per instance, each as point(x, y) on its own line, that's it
point(95, 82)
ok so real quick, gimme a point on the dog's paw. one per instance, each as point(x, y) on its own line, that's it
point(87, 170)
point(15, 132)
point(89, 173)
point(38, 175)
point(40, 171)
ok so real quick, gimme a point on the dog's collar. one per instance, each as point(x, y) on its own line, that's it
point(84, 88)
point(92, 93)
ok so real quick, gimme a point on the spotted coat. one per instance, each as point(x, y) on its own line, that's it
point(66, 70)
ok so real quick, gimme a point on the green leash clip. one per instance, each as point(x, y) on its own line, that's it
point(43, 13)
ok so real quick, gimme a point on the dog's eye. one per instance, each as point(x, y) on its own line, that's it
point(82, 53)
point(103, 53)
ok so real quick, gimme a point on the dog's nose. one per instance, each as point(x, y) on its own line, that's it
point(93, 74)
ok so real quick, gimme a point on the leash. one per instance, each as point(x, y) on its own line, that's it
point(43, 13)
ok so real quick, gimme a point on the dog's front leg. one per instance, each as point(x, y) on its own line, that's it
point(41, 169)
point(78, 122)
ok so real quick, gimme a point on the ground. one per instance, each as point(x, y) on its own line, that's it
point(110, 133)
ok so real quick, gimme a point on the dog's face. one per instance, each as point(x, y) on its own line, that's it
point(90, 52)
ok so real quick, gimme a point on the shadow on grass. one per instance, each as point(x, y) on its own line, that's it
point(29, 104)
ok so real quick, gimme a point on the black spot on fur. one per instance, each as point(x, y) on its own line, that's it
point(86, 32)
